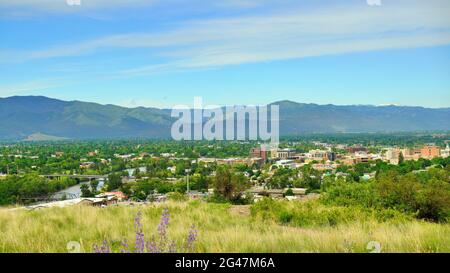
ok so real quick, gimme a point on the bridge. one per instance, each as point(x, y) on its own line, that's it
point(51, 197)
point(76, 176)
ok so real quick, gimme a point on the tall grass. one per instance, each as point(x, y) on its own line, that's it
point(219, 230)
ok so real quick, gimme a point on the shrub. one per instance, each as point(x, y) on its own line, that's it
point(425, 195)
point(176, 196)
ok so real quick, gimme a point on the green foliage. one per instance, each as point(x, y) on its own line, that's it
point(229, 184)
point(176, 196)
point(289, 192)
point(86, 191)
point(316, 214)
point(114, 181)
point(22, 189)
point(424, 195)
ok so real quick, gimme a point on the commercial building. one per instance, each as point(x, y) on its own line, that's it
point(258, 152)
point(430, 151)
point(356, 148)
point(283, 153)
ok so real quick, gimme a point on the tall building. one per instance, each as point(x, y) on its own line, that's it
point(331, 156)
point(356, 148)
point(392, 155)
point(258, 152)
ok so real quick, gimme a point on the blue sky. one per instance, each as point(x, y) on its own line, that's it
point(161, 53)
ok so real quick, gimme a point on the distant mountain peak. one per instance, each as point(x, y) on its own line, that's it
point(23, 116)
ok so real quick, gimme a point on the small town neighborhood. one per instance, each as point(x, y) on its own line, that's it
point(326, 159)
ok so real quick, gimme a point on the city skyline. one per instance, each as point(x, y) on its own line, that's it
point(164, 53)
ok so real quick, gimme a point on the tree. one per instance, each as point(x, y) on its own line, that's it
point(289, 192)
point(114, 181)
point(85, 191)
point(94, 185)
point(228, 185)
point(401, 158)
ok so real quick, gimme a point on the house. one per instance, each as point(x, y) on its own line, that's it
point(86, 165)
point(97, 202)
point(118, 194)
point(276, 193)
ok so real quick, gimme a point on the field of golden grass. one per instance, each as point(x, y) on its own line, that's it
point(221, 228)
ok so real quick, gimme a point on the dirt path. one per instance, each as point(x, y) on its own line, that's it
point(243, 210)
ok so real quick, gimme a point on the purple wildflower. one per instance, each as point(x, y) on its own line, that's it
point(152, 246)
point(140, 241)
point(172, 247)
point(125, 247)
point(104, 248)
point(192, 237)
point(162, 227)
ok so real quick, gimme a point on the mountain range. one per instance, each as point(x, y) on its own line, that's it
point(40, 118)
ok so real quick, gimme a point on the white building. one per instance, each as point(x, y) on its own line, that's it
point(446, 152)
point(285, 163)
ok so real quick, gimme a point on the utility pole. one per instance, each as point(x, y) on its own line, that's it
point(187, 180)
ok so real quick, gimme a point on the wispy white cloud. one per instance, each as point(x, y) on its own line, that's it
point(29, 87)
point(62, 5)
point(21, 8)
point(283, 35)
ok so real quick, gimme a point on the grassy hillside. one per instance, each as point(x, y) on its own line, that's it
point(224, 228)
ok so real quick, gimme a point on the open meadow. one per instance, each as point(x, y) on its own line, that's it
point(289, 227)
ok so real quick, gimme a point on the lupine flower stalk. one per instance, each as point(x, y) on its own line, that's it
point(162, 244)
point(140, 241)
point(192, 237)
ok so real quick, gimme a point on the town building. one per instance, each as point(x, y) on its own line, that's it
point(430, 151)
point(392, 155)
point(286, 163)
point(356, 148)
point(317, 155)
point(325, 167)
point(120, 196)
point(261, 153)
point(446, 152)
point(284, 153)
